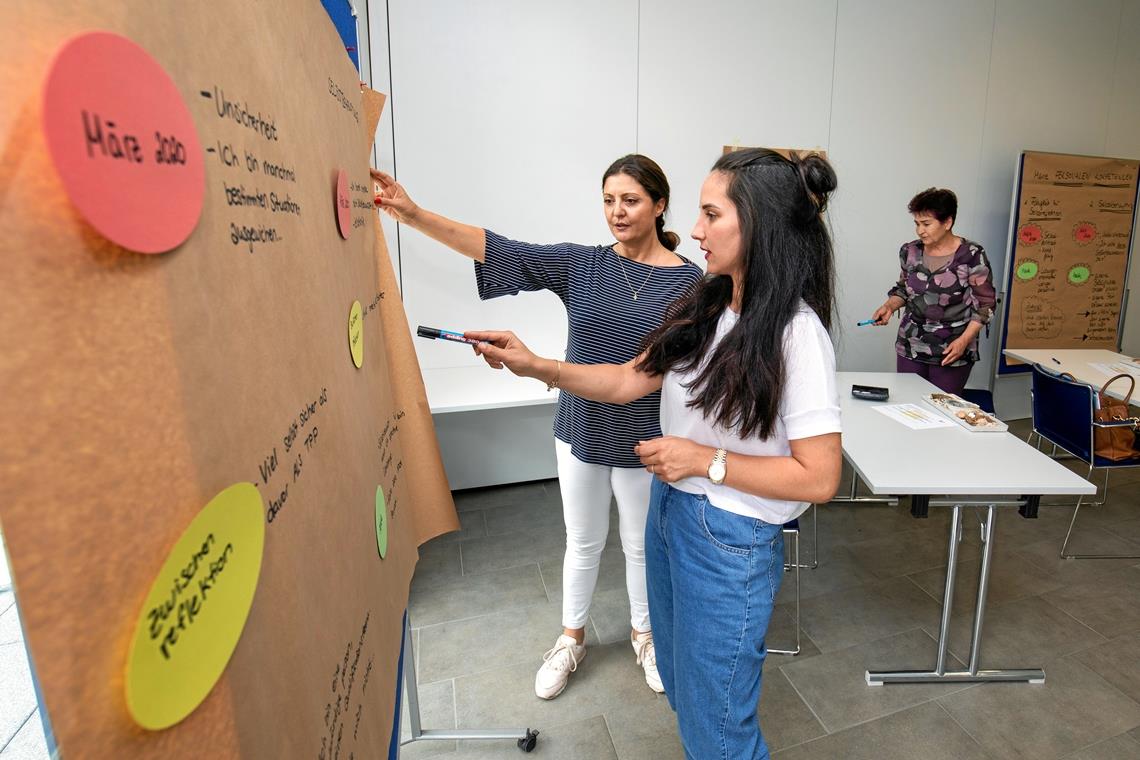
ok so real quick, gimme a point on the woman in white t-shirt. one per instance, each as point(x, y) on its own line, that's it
point(750, 416)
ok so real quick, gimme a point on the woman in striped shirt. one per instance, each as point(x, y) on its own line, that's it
point(614, 295)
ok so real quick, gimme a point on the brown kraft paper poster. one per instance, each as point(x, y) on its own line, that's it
point(422, 461)
point(785, 152)
point(141, 386)
point(1070, 251)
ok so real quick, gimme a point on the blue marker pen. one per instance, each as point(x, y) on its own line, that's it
point(436, 334)
point(865, 322)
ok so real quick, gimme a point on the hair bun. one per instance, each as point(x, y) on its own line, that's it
point(817, 176)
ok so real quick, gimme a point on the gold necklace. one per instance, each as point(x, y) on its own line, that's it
point(652, 269)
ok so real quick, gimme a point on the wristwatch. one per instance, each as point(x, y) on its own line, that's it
point(718, 468)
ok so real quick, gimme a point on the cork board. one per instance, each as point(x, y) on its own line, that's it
point(785, 152)
point(143, 385)
point(1070, 247)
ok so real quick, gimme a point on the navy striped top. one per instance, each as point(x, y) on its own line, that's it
point(606, 326)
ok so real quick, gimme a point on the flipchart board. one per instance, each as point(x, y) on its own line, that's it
point(785, 152)
point(221, 460)
point(1071, 241)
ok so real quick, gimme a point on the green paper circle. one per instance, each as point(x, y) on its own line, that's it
point(381, 523)
point(1027, 270)
point(1078, 275)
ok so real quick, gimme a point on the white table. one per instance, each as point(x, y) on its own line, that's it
point(492, 427)
point(478, 387)
point(999, 470)
point(1078, 363)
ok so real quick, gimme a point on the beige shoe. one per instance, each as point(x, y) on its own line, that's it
point(557, 665)
point(647, 659)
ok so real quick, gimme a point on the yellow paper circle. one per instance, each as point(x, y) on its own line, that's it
point(196, 609)
point(356, 334)
point(381, 523)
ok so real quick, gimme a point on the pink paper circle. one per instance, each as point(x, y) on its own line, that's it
point(123, 142)
point(343, 204)
point(1084, 232)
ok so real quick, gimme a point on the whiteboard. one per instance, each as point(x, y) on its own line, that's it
point(1070, 247)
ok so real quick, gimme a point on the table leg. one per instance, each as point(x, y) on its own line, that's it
point(974, 673)
point(855, 498)
point(983, 586)
point(948, 592)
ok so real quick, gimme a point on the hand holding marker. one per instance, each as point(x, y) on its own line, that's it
point(865, 322)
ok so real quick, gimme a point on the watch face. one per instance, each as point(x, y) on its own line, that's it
point(716, 472)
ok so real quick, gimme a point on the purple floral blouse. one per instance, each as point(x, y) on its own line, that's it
point(939, 304)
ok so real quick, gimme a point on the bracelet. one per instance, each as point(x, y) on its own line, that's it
point(557, 374)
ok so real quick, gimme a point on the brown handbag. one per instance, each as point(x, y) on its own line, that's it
point(1119, 442)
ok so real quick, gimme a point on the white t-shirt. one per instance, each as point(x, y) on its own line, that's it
point(810, 407)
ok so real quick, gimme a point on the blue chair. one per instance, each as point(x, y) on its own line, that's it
point(980, 396)
point(1063, 416)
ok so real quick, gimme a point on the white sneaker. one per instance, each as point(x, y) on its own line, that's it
point(647, 659)
point(557, 665)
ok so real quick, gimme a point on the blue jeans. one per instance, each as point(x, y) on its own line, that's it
point(713, 577)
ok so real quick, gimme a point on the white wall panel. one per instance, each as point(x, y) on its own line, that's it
point(506, 115)
point(729, 73)
point(910, 83)
point(1123, 140)
point(507, 111)
point(384, 148)
point(1050, 88)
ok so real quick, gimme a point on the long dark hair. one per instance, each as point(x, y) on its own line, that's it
point(787, 258)
point(645, 172)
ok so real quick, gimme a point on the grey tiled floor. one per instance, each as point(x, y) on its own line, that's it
point(485, 605)
point(21, 732)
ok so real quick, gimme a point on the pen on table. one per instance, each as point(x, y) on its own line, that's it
point(865, 322)
point(1055, 359)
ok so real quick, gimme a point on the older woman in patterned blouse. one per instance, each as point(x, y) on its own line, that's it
point(946, 287)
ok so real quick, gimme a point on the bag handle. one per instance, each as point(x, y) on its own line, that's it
point(1131, 387)
point(1118, 422)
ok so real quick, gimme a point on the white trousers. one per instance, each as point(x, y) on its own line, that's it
point(586, 491)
